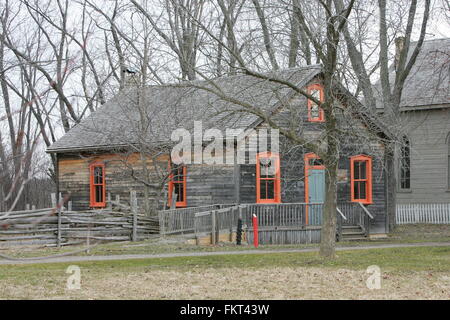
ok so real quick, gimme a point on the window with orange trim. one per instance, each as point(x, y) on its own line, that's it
point(177, 185)
point(97, 185)
point(361, 179)
point(315, 113)
point(268, 186)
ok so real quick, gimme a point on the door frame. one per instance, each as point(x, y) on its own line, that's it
point(307, 158)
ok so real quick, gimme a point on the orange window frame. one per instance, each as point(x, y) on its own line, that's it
point(321, 117)
point(93, 185)
point(276, 178)
point(172, 183)
point(367, 179)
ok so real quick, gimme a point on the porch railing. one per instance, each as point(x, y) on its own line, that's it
point(201, 220)
point(353, 214)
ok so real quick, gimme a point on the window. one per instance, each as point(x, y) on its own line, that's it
point(268, 188)
point(97, 185)
point(405, 165)
point(177, 185)
point(315, 113)
point(361, 179)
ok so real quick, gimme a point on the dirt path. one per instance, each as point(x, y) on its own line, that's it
point(66, 259)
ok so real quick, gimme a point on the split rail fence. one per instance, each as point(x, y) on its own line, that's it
point(59, 227)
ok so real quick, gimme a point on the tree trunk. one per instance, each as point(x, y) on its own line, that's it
point(266, 35)
point(328, 233)
point(391, 189)
point(294, 42)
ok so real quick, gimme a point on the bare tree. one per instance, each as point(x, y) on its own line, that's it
point(390, 92)
point(184, 36)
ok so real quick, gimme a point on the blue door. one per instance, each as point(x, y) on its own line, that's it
point(316, 193)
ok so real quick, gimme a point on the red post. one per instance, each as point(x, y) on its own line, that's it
point(255, 231)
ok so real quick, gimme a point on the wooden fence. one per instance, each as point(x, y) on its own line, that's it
point(212, 224)
point(58, 227)
point(181, 221)
point(277, 224)
point(286, 223)
point(433, 213)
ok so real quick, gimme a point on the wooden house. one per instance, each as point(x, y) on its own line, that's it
point(423, 159)
point(104, 153)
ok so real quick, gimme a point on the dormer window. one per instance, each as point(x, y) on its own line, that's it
point(315, 113)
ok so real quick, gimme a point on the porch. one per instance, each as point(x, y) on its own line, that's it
point(285, 223)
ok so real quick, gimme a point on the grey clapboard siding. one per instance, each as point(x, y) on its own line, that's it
point(427, 131)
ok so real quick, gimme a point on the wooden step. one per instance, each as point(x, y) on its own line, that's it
point(357, 233)
point(353, 233)
point(351, 228)
point(355, 239)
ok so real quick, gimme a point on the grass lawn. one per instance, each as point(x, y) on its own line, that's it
point(421, 233)
point(402, 234)
point(406, 273)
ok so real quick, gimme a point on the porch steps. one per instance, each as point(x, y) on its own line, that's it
point(353, 233)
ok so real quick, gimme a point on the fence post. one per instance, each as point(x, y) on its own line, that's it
point(88, 238)
point(181, 222)
point(232, 215)
point(255, 231)
point(197, 239)
point(339, 227)
point(213, 227)
point(109, 201)
point(162, 223)
point(239, 228)
point(133, 200)
point(53, 197)
point(58, 240)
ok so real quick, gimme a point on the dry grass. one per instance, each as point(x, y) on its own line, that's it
point(407, 273)
point(421, 232)
point(236, 283)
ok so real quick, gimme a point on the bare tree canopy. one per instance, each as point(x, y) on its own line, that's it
point(61, 60)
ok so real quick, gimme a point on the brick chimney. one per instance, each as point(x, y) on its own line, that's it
point(399, 46)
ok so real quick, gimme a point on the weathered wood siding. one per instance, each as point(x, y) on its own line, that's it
point(73, 176)
point(293, 182)
point(428, 132)
point(293, 166)
point(212, 184)
point(206, 184)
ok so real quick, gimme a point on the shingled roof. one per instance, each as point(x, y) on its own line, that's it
point(428, 84)
point(167, 107)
